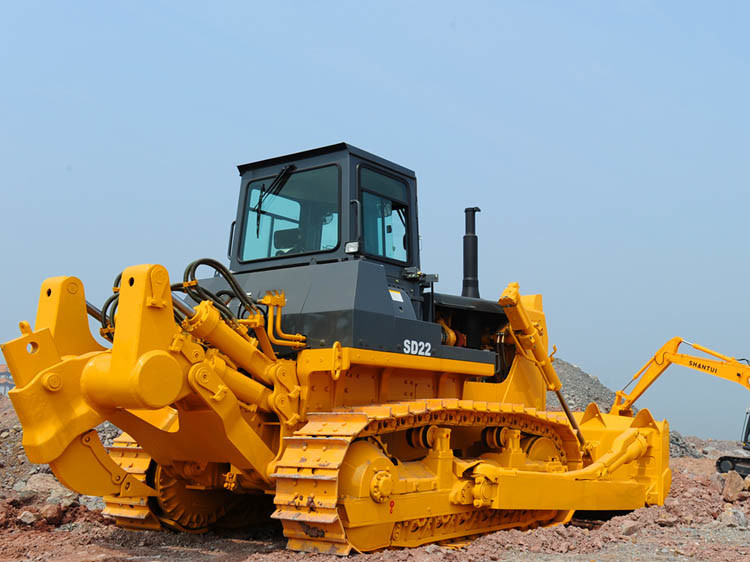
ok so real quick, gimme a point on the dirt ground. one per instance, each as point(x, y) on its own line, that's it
point(705, 518)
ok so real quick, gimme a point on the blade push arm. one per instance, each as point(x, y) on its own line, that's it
point(526, 334)
point(721, 366)
point(529, 344)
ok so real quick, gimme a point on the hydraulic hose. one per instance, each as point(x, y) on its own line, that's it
point(198, 293)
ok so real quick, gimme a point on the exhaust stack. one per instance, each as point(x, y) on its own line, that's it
point(471, 258)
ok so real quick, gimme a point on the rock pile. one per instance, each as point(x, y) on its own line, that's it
point(679, 447)
point(580, 388)
point(30, 496)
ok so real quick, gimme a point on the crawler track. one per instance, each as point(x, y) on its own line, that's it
point(133, 512)
point(318, 518)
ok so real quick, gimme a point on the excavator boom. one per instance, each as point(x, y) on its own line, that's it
point(722, 366)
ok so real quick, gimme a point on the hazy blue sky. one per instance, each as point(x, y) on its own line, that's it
point(606, 143)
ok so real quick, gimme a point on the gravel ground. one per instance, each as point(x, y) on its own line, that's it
point(705, 517)
point(695, 524)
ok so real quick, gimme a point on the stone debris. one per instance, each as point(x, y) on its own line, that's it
point(717, 482)
point(26, 517)
point(631, 527)
point(47, 487)
point(679, 447)
point(733, 486)
point(52, 513)
point(92, 503)
point(107, 433)
point(43, 484)
point(667, 519)
point(732, 517)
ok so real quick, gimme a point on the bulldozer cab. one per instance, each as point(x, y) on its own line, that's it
point(335, 228)
point(334, 203)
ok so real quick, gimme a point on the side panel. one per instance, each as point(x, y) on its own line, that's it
point(351, 302)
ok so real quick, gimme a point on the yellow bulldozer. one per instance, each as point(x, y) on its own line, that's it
point(322, 381)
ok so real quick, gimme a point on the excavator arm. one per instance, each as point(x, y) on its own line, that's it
point(720, 366)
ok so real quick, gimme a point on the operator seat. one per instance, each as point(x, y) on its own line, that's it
point(288, 241)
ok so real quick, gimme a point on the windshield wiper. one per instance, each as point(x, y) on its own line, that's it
point(402, 215)
point(274, 189)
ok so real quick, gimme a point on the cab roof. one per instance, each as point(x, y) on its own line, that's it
point(339, 147)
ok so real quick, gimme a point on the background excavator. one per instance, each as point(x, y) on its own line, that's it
point(321, 379)
point(740, 464)
point(718, 365)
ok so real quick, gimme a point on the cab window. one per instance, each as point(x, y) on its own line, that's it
point(385, 215)
point(300, 217)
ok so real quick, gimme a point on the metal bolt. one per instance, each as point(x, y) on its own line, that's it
point(52, 382)
point(381, 486)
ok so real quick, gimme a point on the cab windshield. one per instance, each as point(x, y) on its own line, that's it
point(302, 217)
